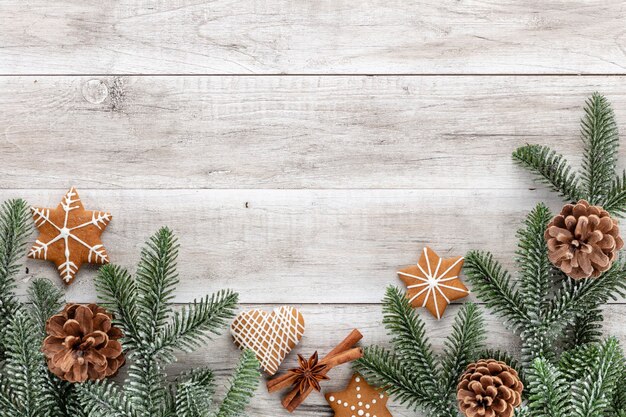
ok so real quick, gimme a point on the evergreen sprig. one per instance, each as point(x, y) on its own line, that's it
point(27, 388)
point(412, 373)
point(15, 226)
point(582, 384)
point(153, 331)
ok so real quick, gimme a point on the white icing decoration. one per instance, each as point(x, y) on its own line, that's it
point(270, 335)
point(433, 282)
point(97, 253)
point(360, 407)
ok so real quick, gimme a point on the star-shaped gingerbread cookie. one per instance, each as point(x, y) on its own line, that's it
point(434, 282)
point(359, 399)
point(69, 235)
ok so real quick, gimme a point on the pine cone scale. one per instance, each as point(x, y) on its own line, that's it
point(583, 240)
point(489, 388)
point(82, 344)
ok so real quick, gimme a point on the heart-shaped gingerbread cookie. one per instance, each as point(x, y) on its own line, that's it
point(270, 335)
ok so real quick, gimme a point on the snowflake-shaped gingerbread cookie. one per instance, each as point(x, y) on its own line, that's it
point(434, 282)
point(69, 235)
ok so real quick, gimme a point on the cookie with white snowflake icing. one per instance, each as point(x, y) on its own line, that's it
point(434, 282)
point(69, 235)
point(359, 399)
point(270, 335)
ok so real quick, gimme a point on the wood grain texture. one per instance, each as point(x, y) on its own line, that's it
point(297, 246)
point(327, 37)
point(287, 132)
point(257, 131)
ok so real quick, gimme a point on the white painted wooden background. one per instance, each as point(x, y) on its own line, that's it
point(302, 150)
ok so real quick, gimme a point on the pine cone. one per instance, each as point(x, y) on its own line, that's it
point(489, 388)
point(583, 240)
point(82, 344)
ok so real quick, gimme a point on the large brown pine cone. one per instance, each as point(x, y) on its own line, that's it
point(489, 388)
point(583, 240)
point(82, 344)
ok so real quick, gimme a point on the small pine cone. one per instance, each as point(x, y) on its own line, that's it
point(583, 240)
point(489, 388)
point(82, 344)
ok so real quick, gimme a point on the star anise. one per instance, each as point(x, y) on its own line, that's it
point(309, 374)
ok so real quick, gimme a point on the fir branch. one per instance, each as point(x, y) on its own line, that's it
point(549, 394)
point(103, 399)
point(615, 199)
point(193, 324)
point(461, 346)
point(156, 281)
point(14, 229)
point(194, 393)
point(24, 367)
point(532, 260)
point(591, 395)
point(586, 328)
point(601, 141)
point(117, 289)
point(46, 300)
point(576, 298)
point(242, 387)
point(192, 400)
point(576, 363)
point(551, 168)
point(493, 285)
point(15, 226)
point(409, 338)
point(8, 405)
point(384, 369)
point(145, 386)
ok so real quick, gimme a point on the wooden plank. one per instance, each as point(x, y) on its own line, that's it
point(297, 246)
point(287, 132)
point(284, 36)
point(328, 324)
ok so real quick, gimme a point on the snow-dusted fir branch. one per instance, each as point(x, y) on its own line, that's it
point(412, 373)
point(153, 331)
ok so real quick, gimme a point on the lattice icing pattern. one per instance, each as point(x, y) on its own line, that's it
point(69, 235)
point(359, 399)
point(270, 335)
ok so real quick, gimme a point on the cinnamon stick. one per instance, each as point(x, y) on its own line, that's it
point(341, 358)
point(294, 399)
point(346, 343)
point(281, 382)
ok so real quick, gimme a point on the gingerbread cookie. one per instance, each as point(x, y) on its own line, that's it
point(69, 235)
point(270, 335)
point(434, 282)
point(359, 399)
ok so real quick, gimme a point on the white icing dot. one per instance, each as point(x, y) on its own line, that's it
point(338, 401)
point(352, 408)
point(367, 414)
point(331, 398)
point(357, 379)
point(360, 404)
point(358, 388)
point(381, 396)
point(367, 406)
point(358, 395)
point(374, 401)
point(345, 404)
point(360, 412)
